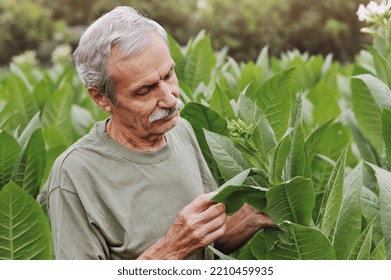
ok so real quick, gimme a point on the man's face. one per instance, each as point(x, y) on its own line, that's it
point(145, 86)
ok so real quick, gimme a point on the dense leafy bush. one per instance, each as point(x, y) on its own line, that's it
point(300, 140)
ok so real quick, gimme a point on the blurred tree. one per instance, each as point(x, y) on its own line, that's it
point(74, 12)
point(244, 26)
point(23, 25)
point(247, 26)
point(180, 18)
point(323, 27)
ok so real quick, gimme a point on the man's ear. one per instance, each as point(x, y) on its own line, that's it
point(102, 101)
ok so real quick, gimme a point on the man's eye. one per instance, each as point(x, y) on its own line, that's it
point(144, 90)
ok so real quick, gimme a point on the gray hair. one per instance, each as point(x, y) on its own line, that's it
point(123, 27)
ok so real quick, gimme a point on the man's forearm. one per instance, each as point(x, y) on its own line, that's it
point(198, 224)
point(161, 251)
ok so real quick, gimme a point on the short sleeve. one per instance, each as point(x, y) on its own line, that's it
point(75, 237)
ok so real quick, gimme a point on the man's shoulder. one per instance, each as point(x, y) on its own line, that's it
point(78, 151)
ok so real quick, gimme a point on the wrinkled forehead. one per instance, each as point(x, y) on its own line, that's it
point(154, 57)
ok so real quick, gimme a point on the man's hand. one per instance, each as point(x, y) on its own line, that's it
point(200, 223)
point(241, 227)
point(261, 220)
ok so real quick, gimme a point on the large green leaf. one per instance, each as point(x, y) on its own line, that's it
point(362, 247)
point(24, 74)
point(263, 60)
point(334, 140)
point(304, 243)
point(325, 99)
point(367, 151)
point(235, 196)
point(371, 211)
point(24, 229)
point(57, 111)
point(386, 129)
point(228, 158)
point(298, 163)
point(33, 125)
point(277, 158)
point(22, 101)
point(321, 168)
point(250, 76)
point(314, 139)
point(54, 137)
point(291, 201)
point(236, 191)
point(30, 167)
point(82, 119)
point(379, 253)
point(226, 82)
point(370, 203)
point(367, 114)
point(177, 56)
point(382, 66)
point(332, 198)
point(384, 180)
point(200, 60)
point(275, 98)
point(9, 152)
point(348, 223)
point(220, 103)
point(380, 92)
point(202, 117)
point(263, 241)
point(244, 253)
point(42, 91)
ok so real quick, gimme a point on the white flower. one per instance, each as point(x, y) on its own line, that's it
point(62, 54)
point(367, 30)
point(373, 11)
point(26, 58)
point(381, 9)
point(372, 8)
point(362, 13)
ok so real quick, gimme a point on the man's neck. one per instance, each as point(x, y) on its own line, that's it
point(133, 141)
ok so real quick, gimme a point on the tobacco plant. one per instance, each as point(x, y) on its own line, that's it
point(322, 178)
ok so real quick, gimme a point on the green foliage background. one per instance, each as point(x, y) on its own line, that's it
point(302, 137)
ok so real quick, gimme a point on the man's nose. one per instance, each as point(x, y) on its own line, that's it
point(167, 95)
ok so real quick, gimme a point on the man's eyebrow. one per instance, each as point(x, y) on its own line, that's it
point(142, 86)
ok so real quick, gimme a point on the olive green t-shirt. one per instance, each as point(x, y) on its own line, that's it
point(106, 201)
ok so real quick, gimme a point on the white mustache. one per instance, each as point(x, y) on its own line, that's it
point(164, 113)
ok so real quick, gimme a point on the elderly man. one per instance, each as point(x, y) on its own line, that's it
point(137, 186)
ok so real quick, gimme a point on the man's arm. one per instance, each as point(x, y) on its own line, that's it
point(200, 223)
point(203, 222)
point(74, 235)
point(241, 226)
